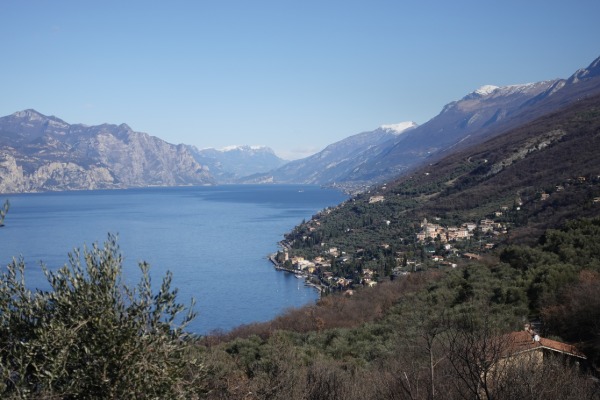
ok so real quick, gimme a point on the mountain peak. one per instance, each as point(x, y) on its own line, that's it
point(32, 117)
point(230, 163)
point(29, 114)
point(595, 65)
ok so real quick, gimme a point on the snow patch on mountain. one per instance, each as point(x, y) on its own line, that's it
point(485, 90)
point(399, 128)
point(499, 91)
point(244, 148)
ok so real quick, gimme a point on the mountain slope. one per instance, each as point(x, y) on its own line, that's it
point(538, 175)
point(475, 114)
point(40, 153)
point(334, 162)
point(484, 113)
point(479, 115)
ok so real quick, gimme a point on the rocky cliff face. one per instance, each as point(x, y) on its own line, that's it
point(40, 153)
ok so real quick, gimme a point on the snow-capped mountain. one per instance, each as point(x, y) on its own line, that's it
point(392, 149)
point(388, 151)
point(230, 163)
point(486, 112)
point(481, 114)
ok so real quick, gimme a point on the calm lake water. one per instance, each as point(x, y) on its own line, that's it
point(215, 240)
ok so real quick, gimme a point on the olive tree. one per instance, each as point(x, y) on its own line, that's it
point(92, 336)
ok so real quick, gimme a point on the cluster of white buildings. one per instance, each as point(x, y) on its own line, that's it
point(450, 233)
point(431, 230)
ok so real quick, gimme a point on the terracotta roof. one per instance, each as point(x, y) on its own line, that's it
point(518, 342)
point(472, 256)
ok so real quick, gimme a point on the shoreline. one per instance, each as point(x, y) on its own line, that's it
point(319, 287)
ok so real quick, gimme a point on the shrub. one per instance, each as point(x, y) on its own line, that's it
point(90, 335)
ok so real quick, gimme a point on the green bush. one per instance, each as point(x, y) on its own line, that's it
point(90, 335)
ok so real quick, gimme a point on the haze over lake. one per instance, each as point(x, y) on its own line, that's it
point(214, 239)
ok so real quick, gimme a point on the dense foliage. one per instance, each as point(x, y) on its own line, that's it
point(90, 335)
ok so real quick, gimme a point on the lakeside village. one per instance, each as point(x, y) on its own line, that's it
point(435, 246)
point(318, 272)
point(438, 246)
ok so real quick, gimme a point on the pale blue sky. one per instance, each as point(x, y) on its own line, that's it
point(292, 75)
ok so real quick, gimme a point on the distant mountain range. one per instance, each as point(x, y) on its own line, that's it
point(230, 164)
point(39, 152)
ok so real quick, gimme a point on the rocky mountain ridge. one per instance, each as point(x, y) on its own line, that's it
point(40, 153)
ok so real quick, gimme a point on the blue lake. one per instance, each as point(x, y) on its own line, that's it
point(215, 240)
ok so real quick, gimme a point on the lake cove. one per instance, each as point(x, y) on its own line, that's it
point(215, 240)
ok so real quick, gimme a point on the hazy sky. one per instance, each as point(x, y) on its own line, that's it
point(292, 75)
